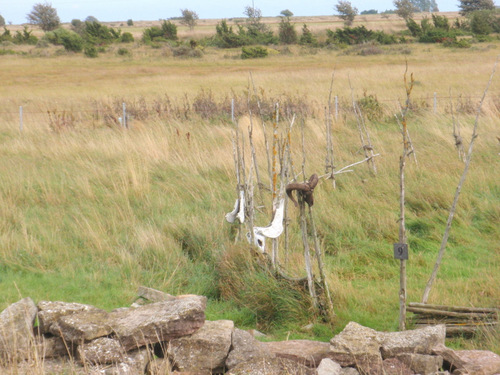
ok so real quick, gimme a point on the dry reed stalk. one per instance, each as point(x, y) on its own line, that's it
point(459, 144)
point(254, 156)
point(366, 145)
point(266, 142)
point(444, 242)
point(329, 162)
point(408, 138)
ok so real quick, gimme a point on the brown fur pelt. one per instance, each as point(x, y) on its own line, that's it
point(306, 189)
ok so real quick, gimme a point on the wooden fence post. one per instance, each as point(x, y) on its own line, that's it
point(21, 118)
point(124, 118)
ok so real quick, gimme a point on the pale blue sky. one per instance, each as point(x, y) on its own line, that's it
point(148, 10)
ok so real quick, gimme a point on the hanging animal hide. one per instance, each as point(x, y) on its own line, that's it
point(306, 189)
point(273, 230)
point(238, 211)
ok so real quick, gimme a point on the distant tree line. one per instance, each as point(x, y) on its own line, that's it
point(481, 18)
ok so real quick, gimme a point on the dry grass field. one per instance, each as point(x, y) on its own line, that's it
point(85, 202)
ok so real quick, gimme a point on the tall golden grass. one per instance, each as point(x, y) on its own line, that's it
point(113, 208)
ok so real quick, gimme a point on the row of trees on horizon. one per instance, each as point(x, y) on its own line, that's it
point(481, 18)
point(45, 16)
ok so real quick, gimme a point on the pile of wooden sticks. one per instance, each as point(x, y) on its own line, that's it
point(458, 320)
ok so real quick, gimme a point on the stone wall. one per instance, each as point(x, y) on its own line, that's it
point(172, 336)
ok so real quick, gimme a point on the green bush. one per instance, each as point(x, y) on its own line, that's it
point(225, 37)
point(25, 37)
point(287, 32)
point(253, 52)
point(167, 31)
point(7, 52)
point(123, 52)
point(358, 35)
point(91, 51)
point(461, 43)
point(62, 37)
point(130, 22)
point(96, 33)
point(384, 38)
point(414, 27)
point(371, 107)
point(72, 42)
point(127, 38)
point(436, 36)
point(440, 22)
point(185, 51)
point(307, 37)
point(6, 36)
point(273, 301)
point(484, 22)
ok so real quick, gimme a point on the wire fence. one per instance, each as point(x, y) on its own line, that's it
point(123, 113)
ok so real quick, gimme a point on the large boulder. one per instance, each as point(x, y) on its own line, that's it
point(393, 366)
point(357, 346)
point(271, 366)
point(205, 350)
point(472, 362)
point(50, 312)
point(420, 341)
point(306, 352)
point(158, 322)
point(244, 347)
point(16, 330)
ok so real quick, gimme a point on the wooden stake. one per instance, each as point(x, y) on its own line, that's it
point(329, 162)
point(307, 253)
point(303, 229)
point(408, 139)
point(457, 192)
point(402, 224)
point(321, 266)
point(254, 156)
point(263, 129)
point(366, 146)
point(459, 144)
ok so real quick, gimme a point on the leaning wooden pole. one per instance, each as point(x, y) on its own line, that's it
point(274, 180)
point(303, 229)
point(329, 160)
point(402, 224)
point(457, 192)
point(321, 267)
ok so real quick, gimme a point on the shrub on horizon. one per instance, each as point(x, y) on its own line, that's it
point(253, 52)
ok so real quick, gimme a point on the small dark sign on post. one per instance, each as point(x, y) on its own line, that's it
point(401, 251)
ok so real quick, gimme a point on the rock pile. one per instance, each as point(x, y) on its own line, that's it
point(172, 337)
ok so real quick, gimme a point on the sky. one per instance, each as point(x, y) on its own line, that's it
point(15, 11)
